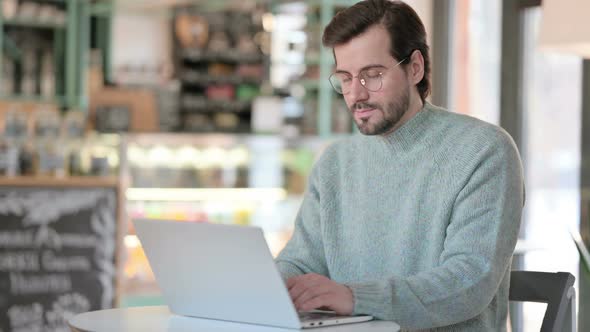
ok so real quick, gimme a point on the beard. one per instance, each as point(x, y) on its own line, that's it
point(392, 114)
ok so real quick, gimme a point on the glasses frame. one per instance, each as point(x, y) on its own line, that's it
point(362, 81)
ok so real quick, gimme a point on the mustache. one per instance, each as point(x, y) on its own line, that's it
point(363, 105)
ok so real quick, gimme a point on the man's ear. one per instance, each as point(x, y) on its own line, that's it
point(416, 67)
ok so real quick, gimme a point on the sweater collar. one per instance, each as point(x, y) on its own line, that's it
point(408, 135)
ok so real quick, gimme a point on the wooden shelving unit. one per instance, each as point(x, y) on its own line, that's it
point(70, 40)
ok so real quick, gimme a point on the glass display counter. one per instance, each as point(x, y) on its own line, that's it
point(229, 179)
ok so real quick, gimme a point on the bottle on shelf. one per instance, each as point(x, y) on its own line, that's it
point(50, 154)
point(7, 76)
point(9, 8)
point(29, 67)
point(72, 134)
point(13, 137)
point(47, 83)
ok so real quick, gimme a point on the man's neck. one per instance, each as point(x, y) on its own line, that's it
point(415, 106)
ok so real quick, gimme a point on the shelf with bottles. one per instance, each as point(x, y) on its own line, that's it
point(216, 121)
point(29, 66)
point(40, 42)
point(37, 141)
point(197, 78)
point(200, 103)
point(34, 14)
point(226, 56)
point(221, 67)
point(217, 107)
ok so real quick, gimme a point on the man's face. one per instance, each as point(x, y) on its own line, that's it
point(374, 112)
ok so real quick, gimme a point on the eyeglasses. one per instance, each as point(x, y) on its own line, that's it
point(370, 78)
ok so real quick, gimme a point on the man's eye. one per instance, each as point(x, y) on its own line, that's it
point(372, 73)
point(346, 79)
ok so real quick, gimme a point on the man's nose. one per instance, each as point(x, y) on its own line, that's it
point(357, 92)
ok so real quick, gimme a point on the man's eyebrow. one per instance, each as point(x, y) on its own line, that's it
point(340, 71)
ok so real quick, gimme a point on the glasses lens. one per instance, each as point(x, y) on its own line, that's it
point(336, 81)
point(371, 79)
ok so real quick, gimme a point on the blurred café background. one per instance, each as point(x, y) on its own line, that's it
point(215, 111)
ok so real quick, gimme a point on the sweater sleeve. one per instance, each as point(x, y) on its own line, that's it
point(304, 253)
point(480, 240)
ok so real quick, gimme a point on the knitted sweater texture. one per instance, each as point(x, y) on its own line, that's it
point(420, 224)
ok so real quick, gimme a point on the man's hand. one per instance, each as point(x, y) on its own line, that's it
point(314, 291)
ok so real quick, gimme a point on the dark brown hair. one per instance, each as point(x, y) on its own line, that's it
point(406, 31)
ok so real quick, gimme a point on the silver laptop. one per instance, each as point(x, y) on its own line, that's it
point(223, 272)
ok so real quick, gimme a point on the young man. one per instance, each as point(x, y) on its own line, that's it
point(416, 220)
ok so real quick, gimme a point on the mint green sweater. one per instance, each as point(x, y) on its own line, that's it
point(421, 225)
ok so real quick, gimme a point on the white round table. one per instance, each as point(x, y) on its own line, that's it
point(159, 318)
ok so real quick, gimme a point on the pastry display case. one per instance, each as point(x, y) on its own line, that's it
point(253, 180)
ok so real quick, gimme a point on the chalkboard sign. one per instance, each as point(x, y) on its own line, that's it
point(57, 255)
